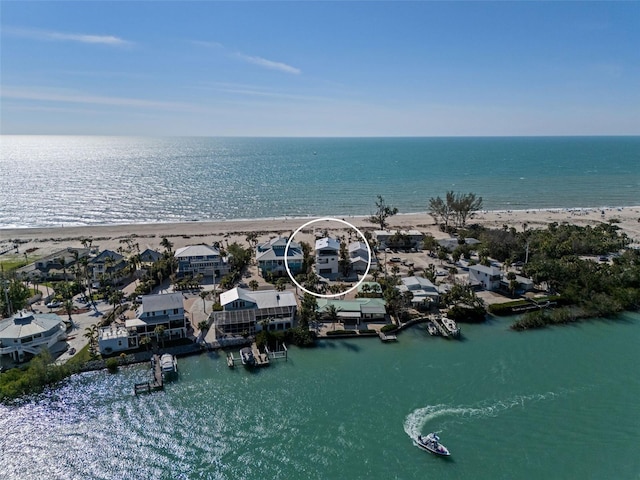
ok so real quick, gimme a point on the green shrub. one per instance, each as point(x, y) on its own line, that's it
point(389, 328)
point(112, 365)
point(341, 332)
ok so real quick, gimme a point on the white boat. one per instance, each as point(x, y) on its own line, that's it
point(246, 355)
point(451, 326)
point(168, 364)
point(432, 329)
point(431, 443)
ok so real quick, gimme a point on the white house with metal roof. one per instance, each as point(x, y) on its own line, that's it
point(423, 290)
point(486, 277)
point(327, 256)
point(245, 311)
point(26, 334)
point(201, 259)
point(270, 257)
point(161, 310)
point(356, 310)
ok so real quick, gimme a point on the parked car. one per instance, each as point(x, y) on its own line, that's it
point(395, 259)
point(54, 304)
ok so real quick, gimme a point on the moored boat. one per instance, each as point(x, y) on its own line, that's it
point(432, 329)
point(168, 364)
point(246, 355)
point(431, 443)
point(451, 326)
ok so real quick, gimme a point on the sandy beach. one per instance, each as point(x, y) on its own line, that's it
point(44, 241)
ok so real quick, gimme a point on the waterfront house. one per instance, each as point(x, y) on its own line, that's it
point(400, 239)
point(354, 311)
point(327, 255)
point(159, 310)
point(424, 292)
point(26, 334)
point(270, 257)
point(487, 278)
point(108, 266)
point(201, 259)
point(246, 311)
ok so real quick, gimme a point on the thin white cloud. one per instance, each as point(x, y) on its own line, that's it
point(202, 43)
point(252, 59)
point(55, 95)
point(263, 62)
point(70, 37)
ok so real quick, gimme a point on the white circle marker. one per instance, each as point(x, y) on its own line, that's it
point(333, 295)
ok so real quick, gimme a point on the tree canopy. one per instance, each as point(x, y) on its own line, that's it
point(383, 211)
point(456, 207)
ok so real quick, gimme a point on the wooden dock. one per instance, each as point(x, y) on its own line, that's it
point(157, 382)
point(284, 353)
point(261, 359)
point(387, 337)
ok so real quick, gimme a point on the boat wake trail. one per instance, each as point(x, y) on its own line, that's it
point(416, 420)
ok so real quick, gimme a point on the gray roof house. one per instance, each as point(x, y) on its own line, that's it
point(270, 257)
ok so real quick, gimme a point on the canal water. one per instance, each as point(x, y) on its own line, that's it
point(555, 403)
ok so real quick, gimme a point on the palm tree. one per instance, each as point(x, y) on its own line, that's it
point(145, 341)
point(203, 295)
point(253, 285)
point(160, 331)
point(332, 314)
point(68, 306)
point(116, 298)
point(166, 244)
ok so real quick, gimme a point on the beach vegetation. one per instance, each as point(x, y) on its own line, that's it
point(383, 212)
point(455, 208)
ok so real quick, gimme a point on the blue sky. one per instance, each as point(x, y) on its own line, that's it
point(320, 68)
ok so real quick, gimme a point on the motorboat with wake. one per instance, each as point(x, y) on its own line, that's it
point(431, 443)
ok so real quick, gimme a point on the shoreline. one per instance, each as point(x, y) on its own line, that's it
point(46, 240)
point(308, 217)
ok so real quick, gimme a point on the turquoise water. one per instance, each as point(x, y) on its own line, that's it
point(554, 403)
point(67, 180)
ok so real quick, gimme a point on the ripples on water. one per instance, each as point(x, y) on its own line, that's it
point(350, 409)
point(54, 180)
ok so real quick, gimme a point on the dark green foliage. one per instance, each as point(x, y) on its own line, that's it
point(390, 327)
point(112, 364)
point(17, 293)
point(341, 332)
point(301, 337)
point(32, 379)
point(464, 314)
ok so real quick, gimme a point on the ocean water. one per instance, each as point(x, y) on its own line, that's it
point(75, 180)
point(558, 403)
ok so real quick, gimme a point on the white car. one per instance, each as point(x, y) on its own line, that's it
point(54, 304)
